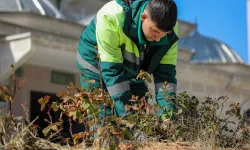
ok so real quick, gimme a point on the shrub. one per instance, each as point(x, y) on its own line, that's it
point(193, 122)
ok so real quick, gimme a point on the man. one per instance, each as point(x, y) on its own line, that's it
point(131, 36)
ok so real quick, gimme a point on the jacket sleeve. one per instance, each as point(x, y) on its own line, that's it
point(113, 73)
point(166, 71)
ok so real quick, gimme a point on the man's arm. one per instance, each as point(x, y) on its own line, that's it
point(166, 71)
point(113, 73)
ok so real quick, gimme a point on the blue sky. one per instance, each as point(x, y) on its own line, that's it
point(224, 20)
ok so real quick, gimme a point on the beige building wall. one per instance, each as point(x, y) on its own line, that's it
point(37, 79)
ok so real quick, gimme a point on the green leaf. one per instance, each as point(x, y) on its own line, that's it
point(93, 109)
point(41, 100)
point(78, 114)
point(148, 94)
point(127, 133)
point(46, 99)
point(43, 106)
point(62, 107)
point(166, 115)
point(72, 114)
point(149, 130)
point(133, 117)
point(184, 107)
point(85, 106)
point(95, 91)
point(4, 97)
point(55, 106)
point(46, 131)
point(54, 128)
point(148, 79)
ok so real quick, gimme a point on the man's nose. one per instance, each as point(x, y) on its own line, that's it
point(157, 39)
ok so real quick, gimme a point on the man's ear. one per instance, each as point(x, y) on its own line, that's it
point(143, 16)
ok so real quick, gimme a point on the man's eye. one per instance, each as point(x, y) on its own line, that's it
point(155, 32)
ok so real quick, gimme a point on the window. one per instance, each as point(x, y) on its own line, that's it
point(62, 78)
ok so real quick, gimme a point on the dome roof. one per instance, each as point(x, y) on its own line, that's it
point(209, 50)
point(81, 11)
point(43, 7)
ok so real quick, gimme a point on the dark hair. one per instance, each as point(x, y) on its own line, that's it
point(163, 13)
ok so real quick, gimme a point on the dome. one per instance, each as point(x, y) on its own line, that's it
point(209, 50)
point(43, 7)
point(81, 11)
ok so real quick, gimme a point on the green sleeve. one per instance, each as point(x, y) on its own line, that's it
point(113, 72)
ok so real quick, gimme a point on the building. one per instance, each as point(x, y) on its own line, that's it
point(41, 42)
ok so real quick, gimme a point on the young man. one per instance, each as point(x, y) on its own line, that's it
point(131, 35)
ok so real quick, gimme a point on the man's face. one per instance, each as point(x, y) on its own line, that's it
point(149, 29)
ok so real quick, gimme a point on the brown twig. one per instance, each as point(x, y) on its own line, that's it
point(61, 115)
point(102, 92)
point(21, 83)
point(105, 115)
point(52, 135)
point(70, 127)
point(26, 111)
point(12, 88)
point(12, 95)
point(50, 117)
point(46, 120)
